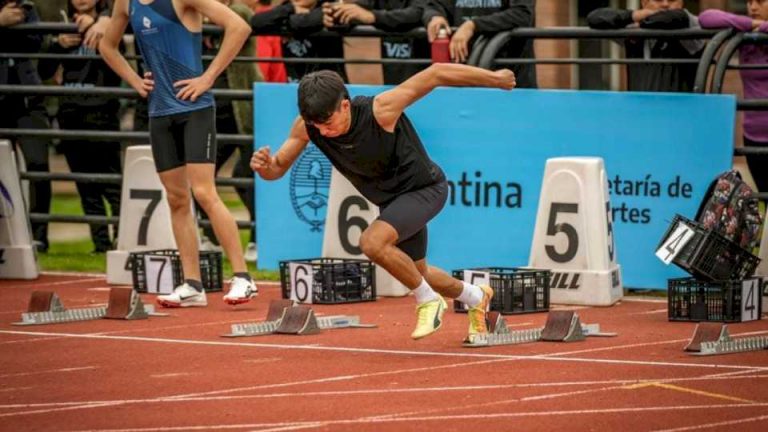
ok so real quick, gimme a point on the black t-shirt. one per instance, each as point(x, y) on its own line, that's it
point(381, 165)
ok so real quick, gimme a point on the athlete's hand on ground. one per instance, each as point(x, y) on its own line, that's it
point(506, 79)
point(147, 85)
point(434, 26)
point(261, 159)
point(459, 47)
point(193, 88)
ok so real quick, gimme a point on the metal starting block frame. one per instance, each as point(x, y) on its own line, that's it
point(45, 307)
point(286, 318)
point(714, 339)
point(561, 326)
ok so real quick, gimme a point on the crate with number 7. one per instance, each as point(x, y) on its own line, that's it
point(328, 280)
point(704, 253)
point(159, 271)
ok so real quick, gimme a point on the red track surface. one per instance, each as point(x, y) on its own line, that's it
point(177, 373)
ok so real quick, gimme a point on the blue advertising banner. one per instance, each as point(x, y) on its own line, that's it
point(660, 151)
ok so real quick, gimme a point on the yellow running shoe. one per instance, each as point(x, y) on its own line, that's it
point(430, 317)
point(477, 314)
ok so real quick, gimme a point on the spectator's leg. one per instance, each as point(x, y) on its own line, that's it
point(84, 157)
point(35, 152)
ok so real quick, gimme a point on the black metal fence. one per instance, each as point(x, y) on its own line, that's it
point(714, 62)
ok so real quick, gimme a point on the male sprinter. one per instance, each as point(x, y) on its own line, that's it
point(372, 143)
point(182, 125)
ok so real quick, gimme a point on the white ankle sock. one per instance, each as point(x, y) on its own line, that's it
point(424, 293)
point(471, 295)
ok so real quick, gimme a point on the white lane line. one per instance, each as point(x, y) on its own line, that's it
point(62, 273)
point(377, 391)
point(556, 357)
point(173, 375)
point(73, 281)
point(650, 312)
point(711, 425)
point(97, 404)
point(646, 344)
point(71, 369)
point(10, 389)
point(644, 300)
point(458, 417)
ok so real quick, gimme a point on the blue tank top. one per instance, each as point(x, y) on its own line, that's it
point(171, 53)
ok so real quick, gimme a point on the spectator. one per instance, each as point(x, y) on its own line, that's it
point(26, 112)
point(301, 18)
point(235, 117)
point(476, 17)
point(88, 113)
point(269, 47)
point(658, 15)
point(93, 29)
point(390, 16)
point(754, 81)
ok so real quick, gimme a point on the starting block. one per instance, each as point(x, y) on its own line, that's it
point(561, 326)
point(713, 339)
point(284, 317)
point(45, 307)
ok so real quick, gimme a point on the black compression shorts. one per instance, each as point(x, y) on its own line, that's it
point(179, 139)
point(409, 213)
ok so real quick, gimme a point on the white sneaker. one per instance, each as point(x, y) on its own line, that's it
point(183, 296)
point(251, 254)
point(241, 290)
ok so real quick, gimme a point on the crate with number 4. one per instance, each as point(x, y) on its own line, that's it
point(328, 280)
point(705, 254)
point(159, 271)
point(515, 290)
point(726, 301)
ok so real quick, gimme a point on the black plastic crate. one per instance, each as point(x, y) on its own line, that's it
point(335, 280)
point(210, 269)
point(710, 256)
point(690, 299)
point(515, 290)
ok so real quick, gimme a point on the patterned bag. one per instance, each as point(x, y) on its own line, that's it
point(730, 209)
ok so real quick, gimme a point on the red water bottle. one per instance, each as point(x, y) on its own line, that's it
point(440, 51)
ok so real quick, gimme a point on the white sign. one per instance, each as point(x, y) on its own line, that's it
point(675, 242)
point(349, 214)
point(573, 236)
point(159, 274)
point(750, 299)
point(17, 256)
point(301, 282)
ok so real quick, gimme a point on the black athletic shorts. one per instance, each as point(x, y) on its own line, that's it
point(409, 213)
point(179, 139)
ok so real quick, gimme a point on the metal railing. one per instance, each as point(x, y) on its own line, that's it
point(484, 54)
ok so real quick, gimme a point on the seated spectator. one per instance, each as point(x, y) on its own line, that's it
point(476, 17)
point(754, 81)
point(655, 14)
point(390, 16)
point(26, 112)
point(302, 18)
point(88, 113)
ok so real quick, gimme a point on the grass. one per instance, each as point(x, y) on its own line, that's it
point(76, 255)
